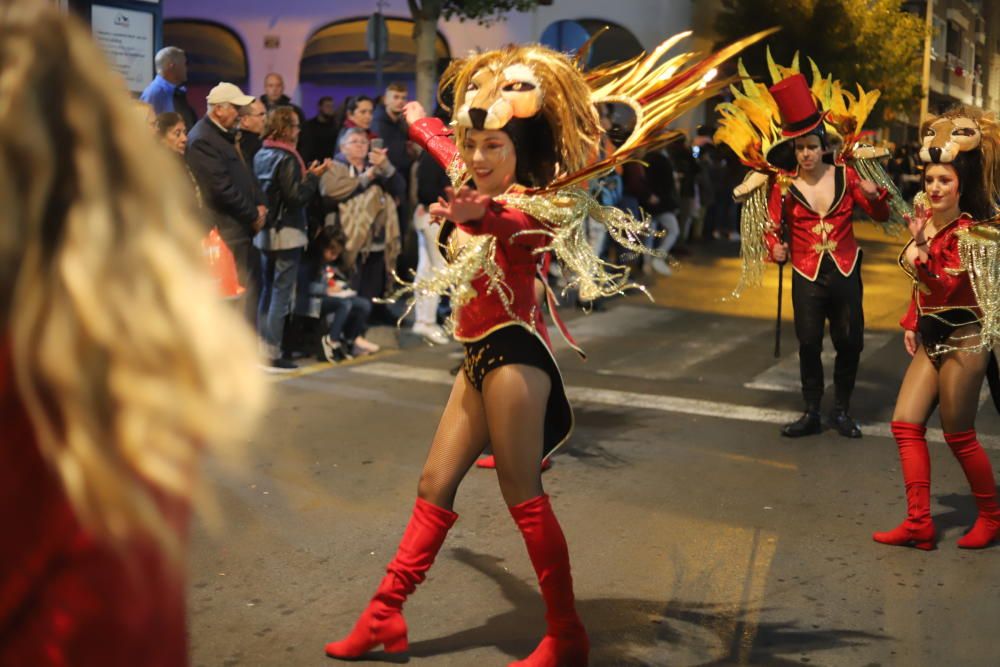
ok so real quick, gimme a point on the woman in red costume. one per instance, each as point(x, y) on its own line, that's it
point(948, 333)
point(525, 128)
point(117, 364)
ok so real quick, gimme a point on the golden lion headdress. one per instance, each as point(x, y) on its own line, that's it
point(494, 87)
point(962, 134)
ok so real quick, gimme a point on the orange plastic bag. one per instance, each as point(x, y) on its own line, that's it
point(222, 264)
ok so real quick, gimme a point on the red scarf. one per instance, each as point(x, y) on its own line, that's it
point(285, 146)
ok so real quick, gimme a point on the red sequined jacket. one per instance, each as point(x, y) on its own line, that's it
point(514, 254)
point(814, 235)
point(939, 284)
point(65, 598)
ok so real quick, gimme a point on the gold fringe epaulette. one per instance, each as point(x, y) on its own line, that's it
point(564, 214)
point(979, 255)
point(454, 280)
point(755, 223)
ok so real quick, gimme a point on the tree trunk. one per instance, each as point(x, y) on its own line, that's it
point(425, 18)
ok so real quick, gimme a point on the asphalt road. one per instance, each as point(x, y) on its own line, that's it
point(698, 536)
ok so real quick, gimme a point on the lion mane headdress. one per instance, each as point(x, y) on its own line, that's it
point(751, 126)
point(969, 139)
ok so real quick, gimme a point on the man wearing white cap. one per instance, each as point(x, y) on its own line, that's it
point(227, 183)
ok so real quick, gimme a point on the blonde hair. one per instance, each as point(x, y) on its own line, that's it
point(125, 361)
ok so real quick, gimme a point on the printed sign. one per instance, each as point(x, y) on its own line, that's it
point(127, 39)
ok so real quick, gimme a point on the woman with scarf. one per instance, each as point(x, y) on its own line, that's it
point(288, 186)
point(360, 190)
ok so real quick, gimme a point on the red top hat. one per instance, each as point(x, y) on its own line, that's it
point(799, 116)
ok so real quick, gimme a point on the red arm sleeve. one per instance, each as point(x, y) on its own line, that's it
point(878, 208)
point(775, 205)
point(435, 137)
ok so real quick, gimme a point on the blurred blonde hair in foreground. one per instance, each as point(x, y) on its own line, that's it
point(126, 360)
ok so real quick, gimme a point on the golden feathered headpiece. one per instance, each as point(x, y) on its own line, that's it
point(751, 123)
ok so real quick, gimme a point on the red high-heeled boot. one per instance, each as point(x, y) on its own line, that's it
point(917, 530)
point(565, 643)
point(976, 466)
point(382, 622)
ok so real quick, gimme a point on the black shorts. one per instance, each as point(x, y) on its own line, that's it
point(516, 345)
point(938, 328)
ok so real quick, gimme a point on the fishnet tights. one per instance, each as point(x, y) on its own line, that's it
point(509, 415)
point(953, 387)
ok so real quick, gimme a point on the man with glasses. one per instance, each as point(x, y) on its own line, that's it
point(249, 138)
point(227, 184)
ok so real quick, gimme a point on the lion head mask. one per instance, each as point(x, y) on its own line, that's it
point(496, 90)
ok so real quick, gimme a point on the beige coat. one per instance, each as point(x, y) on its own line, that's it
point(363, 213)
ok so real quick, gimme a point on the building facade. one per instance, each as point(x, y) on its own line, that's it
point(965, 60)
point(319, 47)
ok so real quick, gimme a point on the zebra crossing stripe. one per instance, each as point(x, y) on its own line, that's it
point(629, 399)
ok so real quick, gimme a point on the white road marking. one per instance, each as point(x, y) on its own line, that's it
point(628, 399)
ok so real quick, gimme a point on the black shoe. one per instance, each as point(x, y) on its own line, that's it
point(280, 365)
point(845, 424)
point(333, 351)
point(808, 424)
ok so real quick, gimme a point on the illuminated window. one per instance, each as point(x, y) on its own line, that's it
point(214, 53)
point(337, 55)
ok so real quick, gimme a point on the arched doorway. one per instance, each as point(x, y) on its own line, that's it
point(214, 53)
point(335, 60)
point(615, 45)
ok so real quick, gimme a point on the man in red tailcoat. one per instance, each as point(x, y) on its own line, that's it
point(812, 213)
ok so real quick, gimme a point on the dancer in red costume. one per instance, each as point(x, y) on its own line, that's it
point(525, 129)
point(117, 364)
point(950, 325)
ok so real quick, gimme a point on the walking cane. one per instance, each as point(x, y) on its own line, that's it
point(777, 323)
point(781, 284)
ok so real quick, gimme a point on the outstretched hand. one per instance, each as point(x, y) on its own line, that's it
point(317, 168)
point(462, 206)
point(917, 222)
point(413, 111)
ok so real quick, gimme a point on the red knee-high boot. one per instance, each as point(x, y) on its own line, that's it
point(382, 622)
point(917, 529)
point(565, 643)
point(976, 465)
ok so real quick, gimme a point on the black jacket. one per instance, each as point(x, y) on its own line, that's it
point(395, 134)
point(318, 140)
point(249, 143)
point(287, 192)
point(226, 183)
point(431, 179)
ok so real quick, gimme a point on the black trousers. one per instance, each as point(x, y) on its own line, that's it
point(837, 298)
